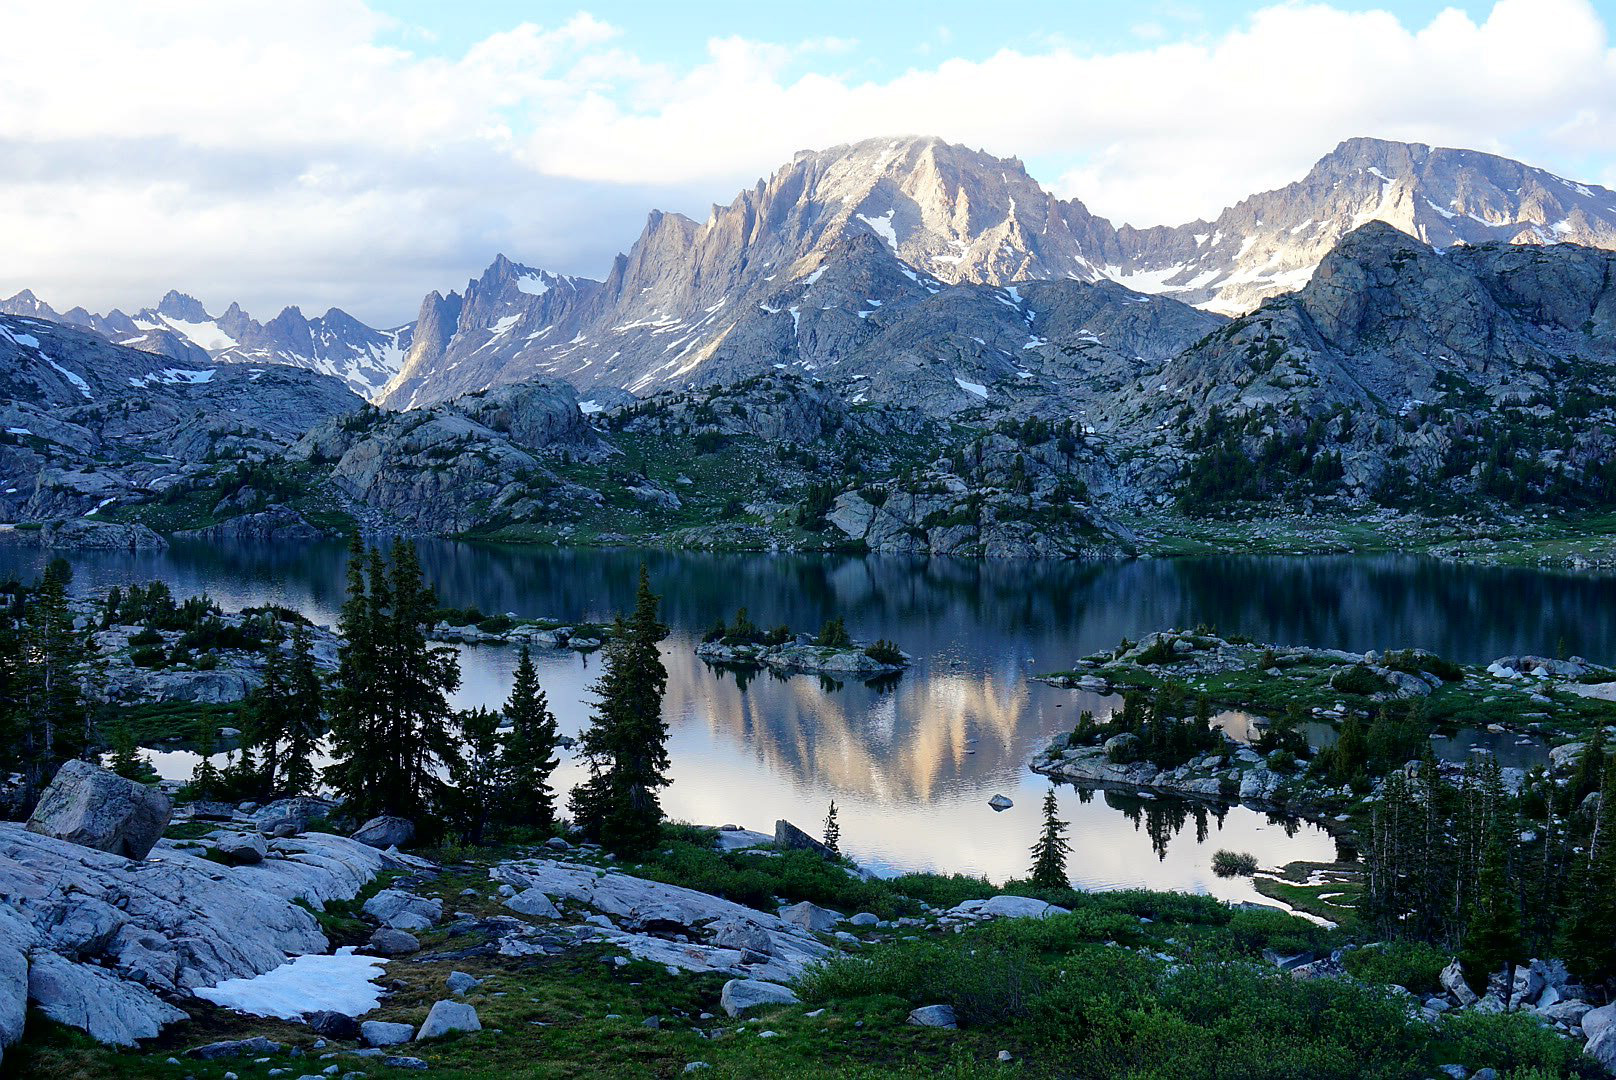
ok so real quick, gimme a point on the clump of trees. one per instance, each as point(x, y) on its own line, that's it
point(743, 631)
point(1169, 732)
point(1498, 877)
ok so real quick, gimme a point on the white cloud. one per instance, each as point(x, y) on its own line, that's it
point(280, 153)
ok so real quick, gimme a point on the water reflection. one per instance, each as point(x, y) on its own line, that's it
point(911, 763)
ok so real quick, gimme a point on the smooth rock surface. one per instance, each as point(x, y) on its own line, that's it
point(742, 995)
point(447, 1016)
point(95, 807)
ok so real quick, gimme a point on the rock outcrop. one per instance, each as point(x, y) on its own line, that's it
point(88, 805)
point(110, 945)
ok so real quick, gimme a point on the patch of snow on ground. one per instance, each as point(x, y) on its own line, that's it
point(18, 431)
point(72, 377)
point(590, 408)
point(883, 227)
point(1449, 214)
point(1146, 281)
point(815, 276)
point(343, 983)
point(206, 334)
point(532, 284)
point(972, 388)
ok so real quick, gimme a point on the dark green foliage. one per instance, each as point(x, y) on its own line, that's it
point(392, 731)
point(43, 720)
point(1358, 679)
point(834, 635)
point(481, 782)
point(1167, 737)
point(885, 652)
point(529, 750)
point(1050, 850)
point(285, 719)
point(126, 759)
point(626, 742)
point(833, 830)
point(1234, 863)
point(1416, 966)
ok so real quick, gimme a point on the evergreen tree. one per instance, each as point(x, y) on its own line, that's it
point(481, 784)
point(205, 780)
point(529, 751)
point(265, 721)
point(1049, 853)
point(305, 715)
point(1588, 932)
point(126, 759)
point(1492, 939)
point(833, 829)
point(392, 731)
point(626, 743)
point(50, 710)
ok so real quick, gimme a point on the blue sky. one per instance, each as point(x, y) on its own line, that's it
point(889, 37)
point(362, 152)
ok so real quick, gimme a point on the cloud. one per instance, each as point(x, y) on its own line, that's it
point(282, 154)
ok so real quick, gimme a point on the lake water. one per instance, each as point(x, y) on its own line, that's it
point(911, 766)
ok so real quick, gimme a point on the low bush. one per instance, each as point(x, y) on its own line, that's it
point(1413, 965)
point(885, 652)
point(1234, 863)
point(1358, 679)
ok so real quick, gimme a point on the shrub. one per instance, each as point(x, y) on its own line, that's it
point(885, 652)
point(1414, 965)
point(1358, 679)
point(148, 636)
point(1234, 863)
point(496, 624)
point(834, 635)
point(150, 657)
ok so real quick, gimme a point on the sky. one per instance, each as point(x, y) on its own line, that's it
point(360, 153)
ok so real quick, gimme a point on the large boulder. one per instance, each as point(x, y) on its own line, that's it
point(937, 1016)
point(297, 812)
point(389, 942)
point(811, 917)
point(1595, 1022)
point(94, 807)
point(383, 1033)
point(788, 836)
point(533, 902)
point(1602, 1048)
point(241, 849)
point(742, 995)
point(1453, 981)
point(386, 832)
point(404, 911)
point(447, 1016)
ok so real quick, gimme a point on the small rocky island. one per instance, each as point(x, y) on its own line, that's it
point(1370, 711)
point(832, 651)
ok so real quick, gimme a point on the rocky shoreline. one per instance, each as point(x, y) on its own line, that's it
point(802, 656)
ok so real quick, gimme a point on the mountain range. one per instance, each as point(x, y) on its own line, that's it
point(877, 263)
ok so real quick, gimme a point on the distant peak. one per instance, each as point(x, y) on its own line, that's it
point(178, 305)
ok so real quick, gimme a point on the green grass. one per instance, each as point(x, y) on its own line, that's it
point(1129, 984)
point(157, 722)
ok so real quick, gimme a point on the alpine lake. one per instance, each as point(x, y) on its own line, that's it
point(912, 761)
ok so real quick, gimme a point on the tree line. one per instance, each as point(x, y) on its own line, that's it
point(396, 744)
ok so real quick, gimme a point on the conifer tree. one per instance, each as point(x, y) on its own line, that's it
point(833, 829)
point(1492, 939)
point(305, 721)
point(205, 779)
point(1049, 853)
point(265, 718)
point(126, 759)
point(626, 743)
point(392, 731)
point(481, 784)
point(529, 750)
point(50, 710)
point(1588, 932)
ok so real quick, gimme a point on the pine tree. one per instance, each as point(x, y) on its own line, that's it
point(392, 730)
point(126, 759)
point(1492, 939)
point(1049, 853)
point(626, 743)
point(529, 750)
point(265, 716)
point(833, 829)
point(481, 784)
point(1588, 931)
point(51, 712)
point(305, 716)
point(205, 779)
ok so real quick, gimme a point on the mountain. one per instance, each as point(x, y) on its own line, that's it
point(1270, 243)
point(181, 329)
point(85, 424)
point(815, 268)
